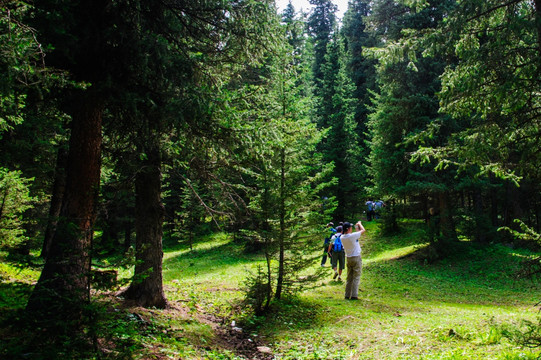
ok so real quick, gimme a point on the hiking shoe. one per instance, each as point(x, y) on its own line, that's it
point(335, 275)
point(339, 278)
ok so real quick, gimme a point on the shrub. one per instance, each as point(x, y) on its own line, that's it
point(15, 199)
point(258, 291)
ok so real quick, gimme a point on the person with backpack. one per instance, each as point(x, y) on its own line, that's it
point(350, 242)
point(338, 258)
point(378, 206)
point(326, 242)
point(370, 210)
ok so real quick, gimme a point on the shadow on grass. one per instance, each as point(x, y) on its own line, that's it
point(287, 314)
point(23, 261)
point(105, 332)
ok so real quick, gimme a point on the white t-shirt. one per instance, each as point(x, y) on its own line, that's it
point(351, 244)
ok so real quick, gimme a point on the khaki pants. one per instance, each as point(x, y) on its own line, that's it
point(354, 265)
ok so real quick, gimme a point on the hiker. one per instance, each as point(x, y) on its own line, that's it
point(326, 242)
point(370, 210)
point(350, 241)
point(378, 205)
point(337, 255)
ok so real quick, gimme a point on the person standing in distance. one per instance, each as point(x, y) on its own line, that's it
point(338, 255)
point(350, 241)
point(326, 242)
point(370, 211)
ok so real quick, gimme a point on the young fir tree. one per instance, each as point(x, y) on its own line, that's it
point(287, 176)
point(30, 128)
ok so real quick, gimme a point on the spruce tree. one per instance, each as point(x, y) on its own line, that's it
point(341, 144)
point(407, 104)
point(287, 175)
point(362, 71)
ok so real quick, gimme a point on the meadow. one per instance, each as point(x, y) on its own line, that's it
point(473, 305)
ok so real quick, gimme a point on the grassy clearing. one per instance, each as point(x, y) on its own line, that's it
point(462, 308)
point(457, 309)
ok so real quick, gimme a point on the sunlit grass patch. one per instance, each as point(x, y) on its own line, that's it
point(395, 253)
point(409, 309)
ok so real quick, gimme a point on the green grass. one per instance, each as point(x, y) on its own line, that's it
point(462, 307)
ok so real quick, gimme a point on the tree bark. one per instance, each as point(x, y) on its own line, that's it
point(446, 218)
point(282, 214)
point(59, 187)
point(127, 235)
point(493, 201)
point(513, 208)
point(480, 217)
point(63, 288)
point(146, 288)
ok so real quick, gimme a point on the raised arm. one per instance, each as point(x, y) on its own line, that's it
point(359, 227)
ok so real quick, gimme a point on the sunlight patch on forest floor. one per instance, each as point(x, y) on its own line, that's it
point(395, 254)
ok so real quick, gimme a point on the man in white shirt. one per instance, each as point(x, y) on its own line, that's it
point(350, 241)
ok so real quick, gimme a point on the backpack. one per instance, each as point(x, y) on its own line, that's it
point(338, 244)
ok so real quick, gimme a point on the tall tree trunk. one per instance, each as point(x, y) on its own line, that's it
point(282, 214)
point(127, 235)
point(481, 222)
point(493, 202)
point(268, 241)
point(447, 225)
point(63, 288)
point(59, 187)
point(146, 288)
point(513, 205)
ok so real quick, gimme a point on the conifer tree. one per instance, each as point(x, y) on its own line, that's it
point(321, 25)
point(341, 144)
point(80, 48)
point(493, 86)
point(405, 105)
point(287, 176)
point(110, 49)
point(362, 72)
